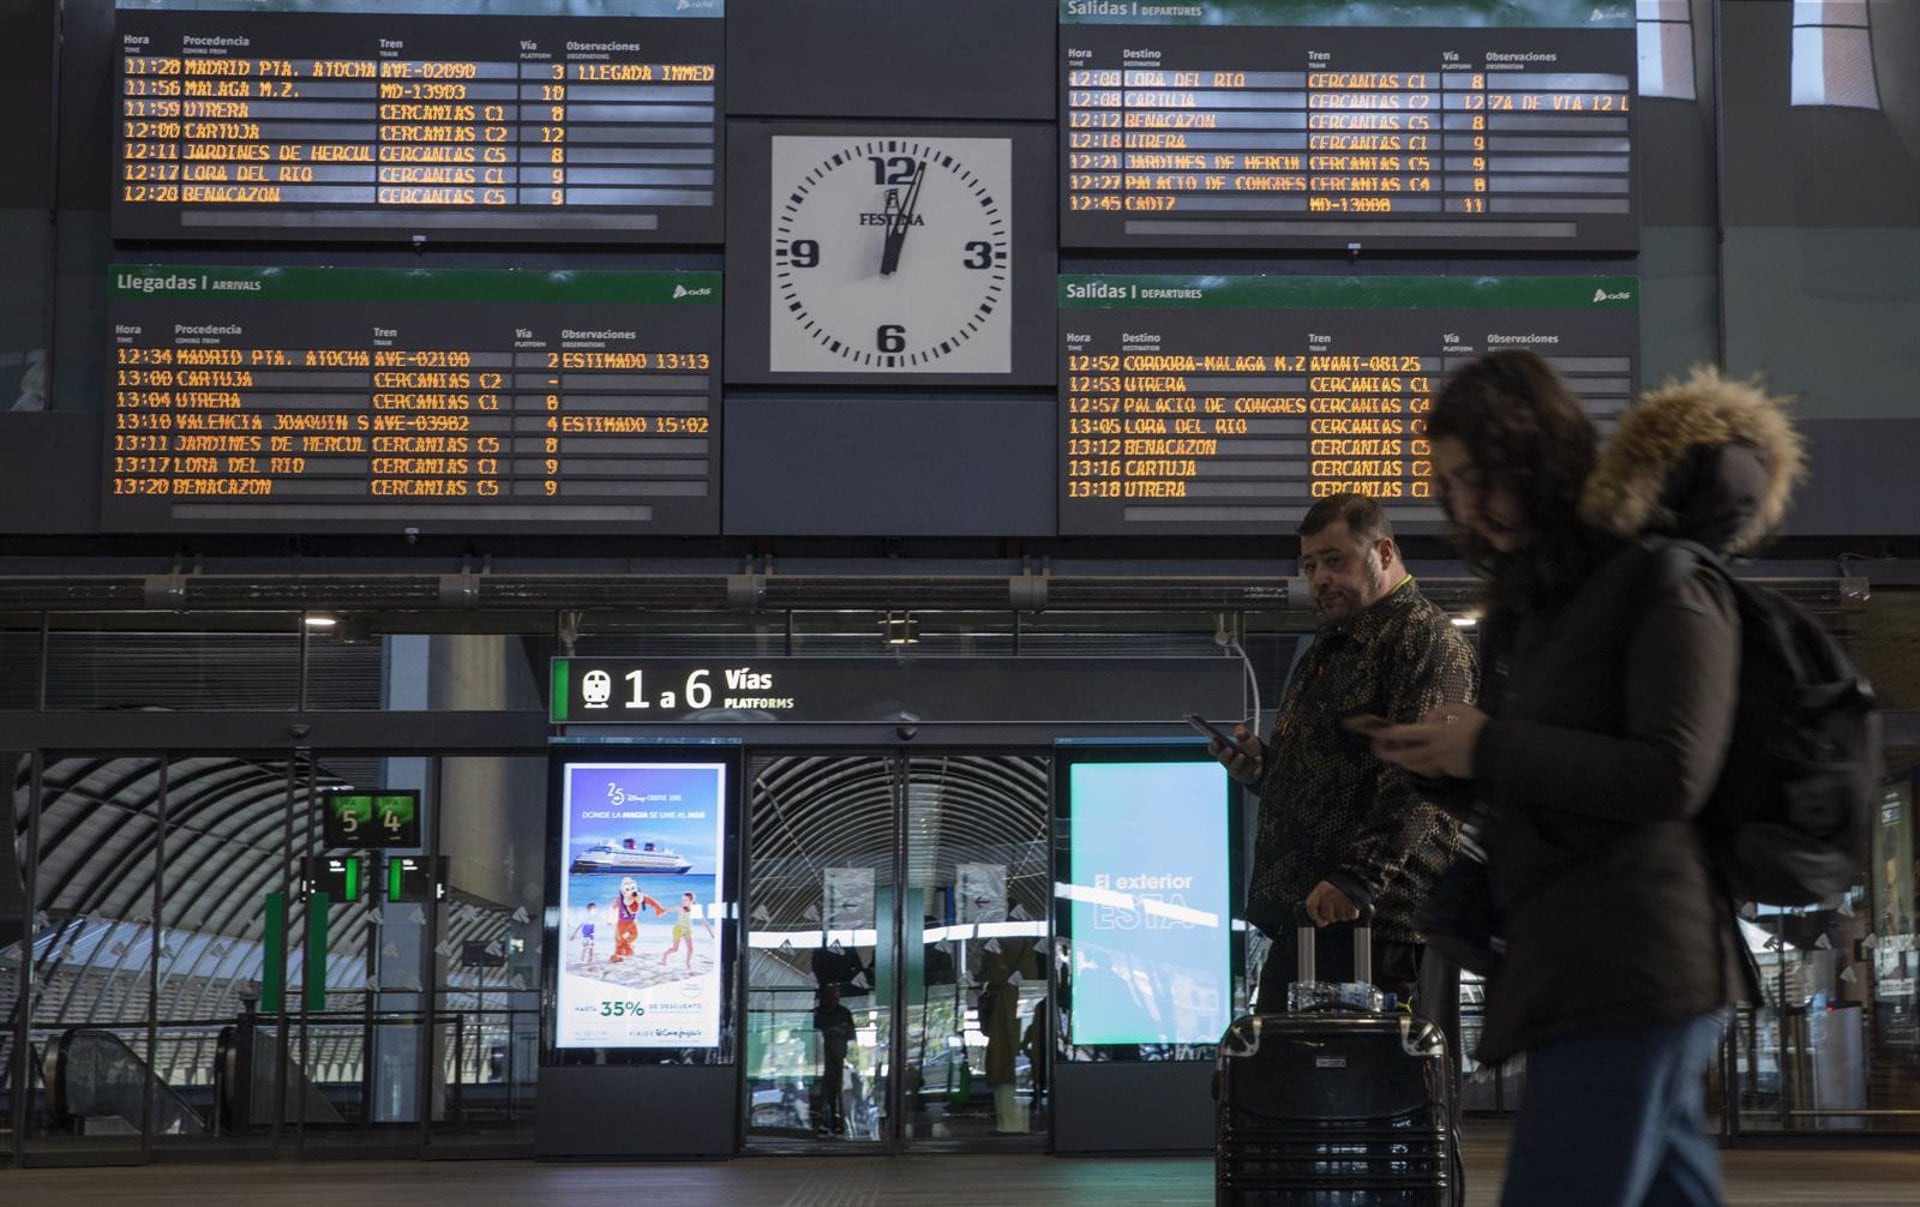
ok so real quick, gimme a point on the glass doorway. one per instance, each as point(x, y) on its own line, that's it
point(164, 886)
point(897, 909)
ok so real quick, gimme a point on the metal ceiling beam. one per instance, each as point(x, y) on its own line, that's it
point(507, 593)
point(118, 731)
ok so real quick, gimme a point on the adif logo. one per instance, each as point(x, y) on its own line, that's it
point(1601, 295)
point(681, 291)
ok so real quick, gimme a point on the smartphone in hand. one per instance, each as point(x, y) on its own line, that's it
point(1207, 728)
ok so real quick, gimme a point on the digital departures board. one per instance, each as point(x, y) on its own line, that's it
point(1293, 134)
point(362, 120)
point(1215, 405)
point(383, 400)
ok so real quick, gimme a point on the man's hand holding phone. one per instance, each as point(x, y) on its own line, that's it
point(1241, 753)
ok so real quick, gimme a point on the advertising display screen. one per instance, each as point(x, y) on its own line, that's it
point(642, 878)
point(1148, 900)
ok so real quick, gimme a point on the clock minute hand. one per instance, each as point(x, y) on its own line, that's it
point(897, 228)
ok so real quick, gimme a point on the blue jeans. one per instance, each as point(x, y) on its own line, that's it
point(1616, 1117)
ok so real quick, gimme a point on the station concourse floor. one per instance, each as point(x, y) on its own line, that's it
point(1761, 1177)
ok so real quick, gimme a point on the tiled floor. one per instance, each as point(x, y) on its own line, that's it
point(1763, 1178)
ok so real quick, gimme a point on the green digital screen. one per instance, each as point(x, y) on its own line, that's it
point(342, 878)
point(373, 819)
point(416, 878)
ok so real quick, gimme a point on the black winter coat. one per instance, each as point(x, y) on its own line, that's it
point(1611, 712)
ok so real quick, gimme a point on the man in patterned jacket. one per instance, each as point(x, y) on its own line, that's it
point(1338, 828)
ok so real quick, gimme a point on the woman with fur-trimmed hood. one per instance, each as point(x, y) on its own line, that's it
point(1609, 697)
point(1706, 460)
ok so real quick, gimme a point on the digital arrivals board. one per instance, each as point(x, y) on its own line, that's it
point(1215, 404)
point(381, 400)
point(1449, 124)
point(379, 120)
point(642, 874)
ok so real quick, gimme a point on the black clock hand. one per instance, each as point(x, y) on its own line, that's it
point(897, 229)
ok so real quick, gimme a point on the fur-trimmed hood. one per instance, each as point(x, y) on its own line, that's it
point(1707, 459)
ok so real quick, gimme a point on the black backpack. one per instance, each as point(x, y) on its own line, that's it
point(1787, 822)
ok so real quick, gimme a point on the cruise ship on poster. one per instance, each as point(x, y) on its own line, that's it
point(632, 858)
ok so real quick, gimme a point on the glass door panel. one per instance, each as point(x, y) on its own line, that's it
point(92, 937)
point(823, 853)
point(487, 950)
point(975, 915)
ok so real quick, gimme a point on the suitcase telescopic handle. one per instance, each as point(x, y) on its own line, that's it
point(1305, 933)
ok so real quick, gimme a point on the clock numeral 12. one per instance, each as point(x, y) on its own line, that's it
point(891, 337)
point(893, 169)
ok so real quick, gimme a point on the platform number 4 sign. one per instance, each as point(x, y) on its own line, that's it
point(388, 818)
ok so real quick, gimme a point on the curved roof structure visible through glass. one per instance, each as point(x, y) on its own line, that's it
point(227, 827)
point(813, 812)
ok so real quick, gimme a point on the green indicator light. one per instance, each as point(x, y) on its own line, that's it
point(394, 871)
point(353, 879)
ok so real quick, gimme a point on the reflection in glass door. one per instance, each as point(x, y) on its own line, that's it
point(822, 867)
point(897, 919)
point(977, 1017)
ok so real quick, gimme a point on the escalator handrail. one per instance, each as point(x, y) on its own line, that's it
point(58, 1104)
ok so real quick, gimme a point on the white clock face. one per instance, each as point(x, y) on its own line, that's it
point(891, 255)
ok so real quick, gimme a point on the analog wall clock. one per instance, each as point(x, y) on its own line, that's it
point(891, 255)
point(895, 253)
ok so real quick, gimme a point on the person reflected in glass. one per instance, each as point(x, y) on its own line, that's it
point(1004, 964)
point(835, 1024)
point(1037, 1043)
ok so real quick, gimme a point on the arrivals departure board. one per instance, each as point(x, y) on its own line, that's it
point(382, 400)
point(419, 120)
point(1381, 124)
point(1217, 404)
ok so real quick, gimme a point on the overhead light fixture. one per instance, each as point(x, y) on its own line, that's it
point(900, 630)
point(315, 620)
point(1466, 622)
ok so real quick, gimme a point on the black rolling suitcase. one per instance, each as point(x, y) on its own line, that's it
point(1336, 1103)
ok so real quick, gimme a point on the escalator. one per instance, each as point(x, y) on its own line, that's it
point(244, 1075)
point(100, 1086)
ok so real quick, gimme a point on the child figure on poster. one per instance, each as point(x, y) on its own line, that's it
point(683, 929)
point(584, 933)
point(626, 927)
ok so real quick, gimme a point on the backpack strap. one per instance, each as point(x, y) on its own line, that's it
point(1669, 561)
point(1664, 565)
